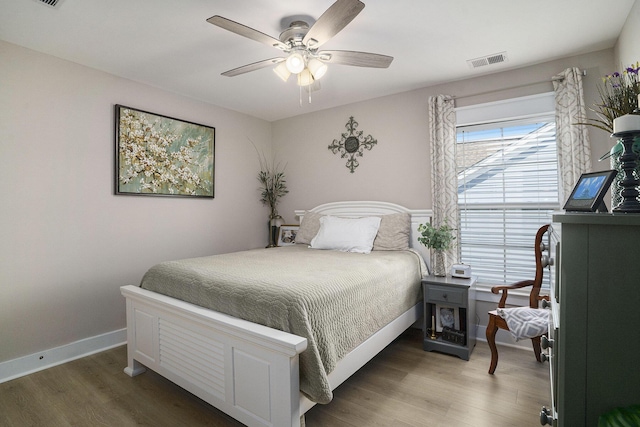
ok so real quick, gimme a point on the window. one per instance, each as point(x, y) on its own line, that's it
point(507, 188)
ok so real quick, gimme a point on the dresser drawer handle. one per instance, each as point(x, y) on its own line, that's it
point(546, 343)
point(544, 261)
point(546, 304)
point(546, 419)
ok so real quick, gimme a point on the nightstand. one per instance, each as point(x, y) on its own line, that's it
point(449, 301)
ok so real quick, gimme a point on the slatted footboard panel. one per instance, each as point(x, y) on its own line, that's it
point(193, 356)
point(246, 370)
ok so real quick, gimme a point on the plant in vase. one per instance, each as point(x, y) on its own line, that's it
point(620, 417)
point(438, 239)
point(273, 186)
point(618, 96)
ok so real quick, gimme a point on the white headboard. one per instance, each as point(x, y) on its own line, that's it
point(359, 209)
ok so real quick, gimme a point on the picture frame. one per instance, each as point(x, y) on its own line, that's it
point(287, 235)
point(447, 316)
point(157, 155)
point(589, 191)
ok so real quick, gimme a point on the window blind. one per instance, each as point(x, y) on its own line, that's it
point(507, 188)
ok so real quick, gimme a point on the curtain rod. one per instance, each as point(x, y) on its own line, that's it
point(556, 79)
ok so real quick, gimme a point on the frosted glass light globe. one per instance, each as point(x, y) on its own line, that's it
point(295, 63)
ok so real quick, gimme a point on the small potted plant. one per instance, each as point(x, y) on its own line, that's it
point(620, 417)
point(439, 239)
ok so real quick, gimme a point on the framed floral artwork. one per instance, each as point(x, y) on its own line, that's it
point(287, 235)
point(158, 155)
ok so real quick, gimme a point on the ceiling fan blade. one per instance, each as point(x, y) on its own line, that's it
point(247, 32)
point(332, 21)
point(358, 59)
point(252, 67)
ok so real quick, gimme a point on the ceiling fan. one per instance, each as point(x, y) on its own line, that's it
point(300, 42)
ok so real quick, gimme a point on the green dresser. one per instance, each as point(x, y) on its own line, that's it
point(595, 347)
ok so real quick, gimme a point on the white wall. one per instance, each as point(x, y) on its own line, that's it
point(628, 46)
point(67, 243)
point(395, 169)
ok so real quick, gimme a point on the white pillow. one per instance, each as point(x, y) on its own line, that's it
point(346, 234)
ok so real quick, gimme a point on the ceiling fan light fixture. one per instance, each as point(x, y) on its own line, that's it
point(295, 63)
point(317, 68)
point(282, 71)
point(305, 78)
point(300, 43)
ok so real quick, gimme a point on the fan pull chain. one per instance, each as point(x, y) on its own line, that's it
point(300, 93)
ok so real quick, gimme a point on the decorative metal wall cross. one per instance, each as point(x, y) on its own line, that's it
point(351, 144)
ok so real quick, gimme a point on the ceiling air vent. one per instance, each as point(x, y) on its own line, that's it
point(496, 58)
point(50, 3)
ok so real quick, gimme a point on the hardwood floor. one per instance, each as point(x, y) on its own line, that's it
point(401, 387)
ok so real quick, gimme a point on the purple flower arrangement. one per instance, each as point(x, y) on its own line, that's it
point(618, 96)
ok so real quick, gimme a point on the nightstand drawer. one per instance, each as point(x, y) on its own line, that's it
point(445, 294)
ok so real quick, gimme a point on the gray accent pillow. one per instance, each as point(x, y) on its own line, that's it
point(308, 227)
point(393, 234)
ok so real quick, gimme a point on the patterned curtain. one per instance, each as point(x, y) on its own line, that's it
point(574, 150)
point(444, 183)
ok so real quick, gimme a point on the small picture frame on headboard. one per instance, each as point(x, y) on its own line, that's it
point(589, 191)
point(287, 235)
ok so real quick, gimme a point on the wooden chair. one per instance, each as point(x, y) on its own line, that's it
point(496, 322)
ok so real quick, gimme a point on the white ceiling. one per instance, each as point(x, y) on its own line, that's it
point(168, 43)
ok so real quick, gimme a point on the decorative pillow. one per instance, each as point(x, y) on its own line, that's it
point(525, 322)
point(393, 234)
point(346, 234)
point(308, 227)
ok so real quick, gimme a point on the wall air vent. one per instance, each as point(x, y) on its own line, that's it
point(50, 3)
point(496, 58)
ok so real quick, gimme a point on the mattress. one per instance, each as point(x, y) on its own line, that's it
point(336, 300)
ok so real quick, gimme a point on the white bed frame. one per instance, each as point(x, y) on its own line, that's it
point(247, 370)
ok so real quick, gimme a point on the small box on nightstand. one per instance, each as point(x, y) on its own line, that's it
point(453, 335)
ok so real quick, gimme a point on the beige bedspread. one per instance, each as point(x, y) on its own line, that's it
point(335, 300)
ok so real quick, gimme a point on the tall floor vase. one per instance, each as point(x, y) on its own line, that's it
point(274, 226)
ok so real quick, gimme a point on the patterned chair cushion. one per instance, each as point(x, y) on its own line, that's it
point(525, 322)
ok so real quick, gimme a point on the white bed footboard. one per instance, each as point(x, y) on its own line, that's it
point(247, 370)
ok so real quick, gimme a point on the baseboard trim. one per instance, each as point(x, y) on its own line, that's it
point(35, 362)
